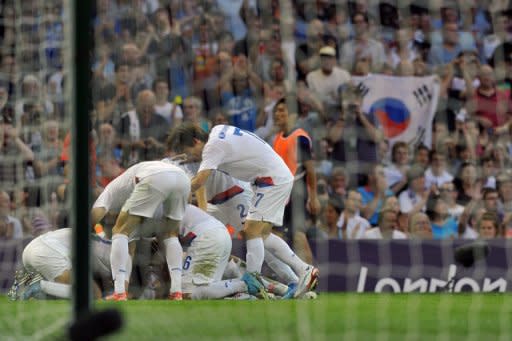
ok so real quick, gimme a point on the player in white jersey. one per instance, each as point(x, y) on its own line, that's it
point(246, 157)
point(139, 192)
point(208, 247)
point(228, 200)
point(49, 255)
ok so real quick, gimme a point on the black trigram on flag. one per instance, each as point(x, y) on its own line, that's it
point(363, 89)
point(422, 95)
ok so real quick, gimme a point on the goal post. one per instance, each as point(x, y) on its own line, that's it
point(82, 38)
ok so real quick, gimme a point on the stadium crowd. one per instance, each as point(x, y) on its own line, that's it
point(158, 63)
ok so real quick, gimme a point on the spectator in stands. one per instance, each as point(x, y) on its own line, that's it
point(489, 226)
point(311, 115)
point(383, 152)
point(448, 193)
point(114, 99)
point(142, 77)
point(107, 141)
point(142, 131)
point(47, 156)
point(326, 80)
point(492, 105)
point(339, 181)
point(104, 67)
point(15, 156)
point(236, 13)
point(193, 112)
point(422, 157)
point(419, 226)
point(254, 24)
point(205, 50)
point(374, 193)
point(489, 171)
point(468, 184)
point(170, 111)
point(362, 46)
point(350, 224)
point(468, 220)
point(504, 185)
point(219, 117)
point(437, 174)
point(443, 225)
point(40, 225)
point(268, 49)
point(414, 198)
point(396, 173)
point(354, 135)
point(391, 203)
point(405, 49)
point(446, 49)
point(499, 154)
point(327, 223)
point(307, 56)
point(496, 45)
point(12, 228)
point(337, 24)
point(490, 199)
point(240, 103)
point(387, 227)
point(420, 67)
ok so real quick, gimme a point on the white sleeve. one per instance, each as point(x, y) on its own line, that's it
point(213, 155)
point(104, 200)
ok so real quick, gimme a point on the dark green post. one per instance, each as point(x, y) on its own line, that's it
point(82, 45)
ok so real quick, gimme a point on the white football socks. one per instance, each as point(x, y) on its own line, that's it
point(219, 289)
point(232, 270)
point(59, 290)
point(255, 255)
point(281, 250)
point(174, 257)
point(283, 271)
point(118, 260)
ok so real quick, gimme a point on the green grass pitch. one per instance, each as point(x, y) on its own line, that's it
point(330, 317)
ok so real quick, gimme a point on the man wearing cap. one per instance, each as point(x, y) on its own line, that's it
point(326, 80)
point(415, 197)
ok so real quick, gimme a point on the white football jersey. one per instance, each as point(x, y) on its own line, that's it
point(220, 187)
point(244, 156)
point(118, 190)
point(196, 221)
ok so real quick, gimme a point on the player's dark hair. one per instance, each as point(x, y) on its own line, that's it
point(282, 100)
point(185, 135)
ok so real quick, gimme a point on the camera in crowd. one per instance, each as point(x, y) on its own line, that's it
point(351, 98)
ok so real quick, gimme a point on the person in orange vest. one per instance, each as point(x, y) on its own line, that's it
point(296, 149)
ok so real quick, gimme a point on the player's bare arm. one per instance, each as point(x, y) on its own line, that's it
point(200, 179)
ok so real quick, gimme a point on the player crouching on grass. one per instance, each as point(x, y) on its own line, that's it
point(206, 258)
point(47, 266)
point(246, 157)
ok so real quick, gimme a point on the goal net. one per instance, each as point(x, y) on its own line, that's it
point(399, 112)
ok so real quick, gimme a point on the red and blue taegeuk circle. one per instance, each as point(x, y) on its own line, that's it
point(393, 115)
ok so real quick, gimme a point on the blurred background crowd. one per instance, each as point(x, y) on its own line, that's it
point(158, 63)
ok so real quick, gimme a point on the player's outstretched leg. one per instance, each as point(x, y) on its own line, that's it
point(308, 274)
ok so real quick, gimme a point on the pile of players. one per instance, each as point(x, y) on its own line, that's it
point(236, 180)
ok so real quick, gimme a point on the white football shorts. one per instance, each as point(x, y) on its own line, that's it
point(268, 203)
point(206, 259)
point(171, 189)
